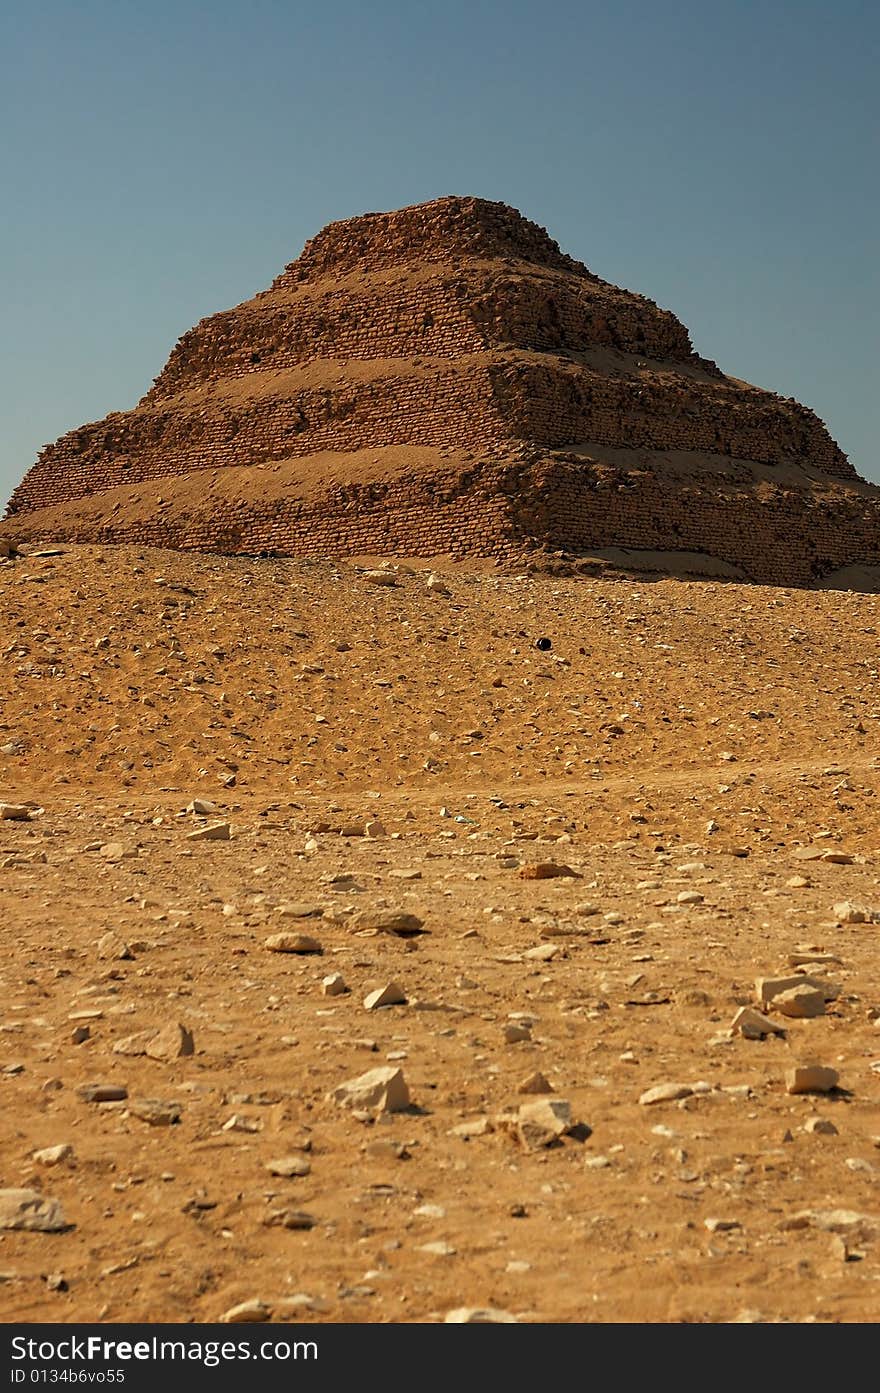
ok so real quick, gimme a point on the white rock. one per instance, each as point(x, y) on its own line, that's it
point(768, 988)
point(810, 1078)
point(379, 1090)
point(173, 1041)
point(389, 995)
point(214, 832)
point(240, 1122)
point(53, 1155)
point(334, 985)
point(665, 1093)
point(247, 1313)
point(289, 1166)
point(28, 1210)
point(835, 1220)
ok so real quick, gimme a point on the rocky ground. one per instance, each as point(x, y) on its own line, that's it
point(242, 797)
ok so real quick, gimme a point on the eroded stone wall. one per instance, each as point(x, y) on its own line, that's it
point(442, 408)
point(445, 315)
point(504, 509)
point(778, 534)
point(560, 403)
point(443, 230)
point(456, 513)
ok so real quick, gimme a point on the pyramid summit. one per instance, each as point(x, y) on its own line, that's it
point(443, 379)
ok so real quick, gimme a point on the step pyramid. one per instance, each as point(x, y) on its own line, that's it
point(444, 380)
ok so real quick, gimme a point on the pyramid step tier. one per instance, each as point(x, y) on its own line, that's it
point(476, 402)
point(434, 312)
point(405, 501)
point(444, 229)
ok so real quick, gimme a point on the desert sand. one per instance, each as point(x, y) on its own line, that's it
point(392, 756)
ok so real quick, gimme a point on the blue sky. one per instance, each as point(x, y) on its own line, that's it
point(161, 161)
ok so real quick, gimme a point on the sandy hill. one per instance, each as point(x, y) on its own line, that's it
point(443, 379)
point(242, 801)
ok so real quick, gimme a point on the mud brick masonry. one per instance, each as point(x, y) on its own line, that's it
point(444, 380)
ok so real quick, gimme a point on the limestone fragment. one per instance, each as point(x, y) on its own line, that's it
point(753, 1026)
point(289, 1219)
point(173, 1041)
point(116, 851)
point(535, 1083)
point(102, 1092)
point(545, 953)
point(334, 985)
point(845, 912)
point(53, 1155)
point(665, 1093)
point(476, 1127)
point(213, 832)
point(111, 946)
point(811, 1078)
point(155, 1111)
point(389, 921)
point(299, 910)
point(292, 943)
point(387, 1149)
point(832, 1220)
point(800, 1002)
point(545, 1122)
point(29, 1211)
point(240, 1122)
point(379, 1090)
point(289, 1166)
point(768, 988)
point(546, 870)
point(134, 1045)
point(812, 956)
point(389, 995)
point(247, 1313)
